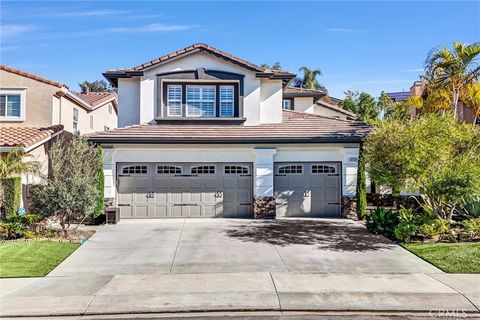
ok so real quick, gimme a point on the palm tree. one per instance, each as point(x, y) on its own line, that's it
point(453, 69)
point(15, 163)
point(471, 98)
point(309, 79)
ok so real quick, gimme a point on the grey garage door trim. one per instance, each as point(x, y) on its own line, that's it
point(184, 189)
point(307, 201)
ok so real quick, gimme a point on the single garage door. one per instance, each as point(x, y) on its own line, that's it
point(308, 189)
point(184, 190)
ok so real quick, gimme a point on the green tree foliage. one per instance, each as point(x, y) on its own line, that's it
point(12, 194)
point(362, 104)
point(453, 69)
point(95, 86)
point(309, 79)
point(16, 162)
point(275, 66)
point(471, 98)
point(434, 154)
point(71, 190)
point(361, 187)
point(100, 185)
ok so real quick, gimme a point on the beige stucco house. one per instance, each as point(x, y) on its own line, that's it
point(35, 110)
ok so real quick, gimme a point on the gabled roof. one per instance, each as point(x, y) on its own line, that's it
point(295, 127)
point(114, 74)
point(97, 99)
point(26, 137)
point(291, 92)
point(336, 108)
point(32, 76)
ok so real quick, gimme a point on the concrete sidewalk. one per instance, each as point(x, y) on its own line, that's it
point(263, 291)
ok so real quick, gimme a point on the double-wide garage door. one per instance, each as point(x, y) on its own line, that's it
point(308, 189)
point(182, 190)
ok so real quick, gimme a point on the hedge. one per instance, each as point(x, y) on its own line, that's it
point(12, 194)
point(100, 185)
point(361, 187)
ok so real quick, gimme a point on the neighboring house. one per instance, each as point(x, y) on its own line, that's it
point(34, 110)
point(418, 89)
point(205, 135)
point(315, 102)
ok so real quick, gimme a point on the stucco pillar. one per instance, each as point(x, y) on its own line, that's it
point(350, 166)
point(264, 202)
point(109, 173)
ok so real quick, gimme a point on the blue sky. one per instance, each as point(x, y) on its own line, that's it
point(364, 46)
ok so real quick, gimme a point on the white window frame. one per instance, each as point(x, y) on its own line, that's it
point(174, 100)
point(289, 104)
point(75, 123)
point(227, 100)
point(23, 98)
point(110, 108)
point(201, 100)
point(91, 122)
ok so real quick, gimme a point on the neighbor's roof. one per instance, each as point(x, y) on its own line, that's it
point(25, 137)
point(296, 127)
point(32, 76)
point(337, 109)
point(95, 99)
point(291, 92)
point(398, 96)
point(114, 74)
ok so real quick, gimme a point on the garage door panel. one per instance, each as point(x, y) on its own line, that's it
point(140, 197)
point(245, 182)
point(160, 183)
point(161, 211)
point(140, 211)
point(332, 182)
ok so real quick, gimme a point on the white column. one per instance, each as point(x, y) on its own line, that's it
point(263, 167)
point(109, 173)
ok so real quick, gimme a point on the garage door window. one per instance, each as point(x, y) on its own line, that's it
point(169, 170)
point(134, 170)
point(203, 170)
point(291, 169)
point(322, 169)
point(236, 170)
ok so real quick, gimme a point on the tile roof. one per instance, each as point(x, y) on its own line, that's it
point(32, 76)
point(96, 98)
point(302, 92)
point(398, 96)
point(296, 127)
point(25, 136)
point(336, 108)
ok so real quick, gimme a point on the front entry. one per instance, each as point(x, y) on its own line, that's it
point(307, 189)
point(184, 190)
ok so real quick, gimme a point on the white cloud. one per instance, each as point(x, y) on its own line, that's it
point(15, 30)
point(154, 27)
point(348, 30)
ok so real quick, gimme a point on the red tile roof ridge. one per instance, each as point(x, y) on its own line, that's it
point(32, 76)
point(322, 116)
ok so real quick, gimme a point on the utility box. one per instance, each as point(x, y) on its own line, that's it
point(112, 215)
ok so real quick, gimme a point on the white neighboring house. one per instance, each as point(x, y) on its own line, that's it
point(204, 134)
point(34, 111)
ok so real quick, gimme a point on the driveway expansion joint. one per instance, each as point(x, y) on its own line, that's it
point(178, 243)
point(276, 292)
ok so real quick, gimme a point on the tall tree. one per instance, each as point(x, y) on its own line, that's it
point(362, 104)
point(95, 86)
point(275, 66)
point(471, 98)
point(453, 69)
point(309, 79)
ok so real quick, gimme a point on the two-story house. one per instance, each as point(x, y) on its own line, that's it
point(35, 110)
point(204, 134)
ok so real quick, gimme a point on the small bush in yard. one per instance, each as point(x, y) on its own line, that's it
point(404, 231)
point(471, 227)
point(434, 228)
point(12, 194)
point(382, 221)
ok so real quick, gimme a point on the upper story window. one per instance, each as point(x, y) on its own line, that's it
point(287, 105)
point(12, 105)
point(174, 100)
point(201, 101)
point(110, 108)
point(75, 120)
point(226, 101)
point(91, 122)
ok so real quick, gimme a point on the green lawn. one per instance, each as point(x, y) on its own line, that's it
point(32, 259)
point(450, 257)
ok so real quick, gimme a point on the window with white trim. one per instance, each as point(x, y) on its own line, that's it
point(174, 100)
point(75, 120)
point(91, 122)
point(12, 105)
point(291, 169)
point(236, 170)
point(110, 108)
point(138, 169)
point(322, 169)
point(169, 170)
point(226, 101)
point(203, 170)
point(201, 101)
point(287, 105)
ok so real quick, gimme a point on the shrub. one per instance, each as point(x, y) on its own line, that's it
point(12, 230)
point(471, 227)
point(404, 231)
point(434, 228)
point(12, 194)
point(382, 221)
point(361, 187)
point(99, 209)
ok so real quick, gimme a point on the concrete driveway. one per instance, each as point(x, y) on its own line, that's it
point(228, 246)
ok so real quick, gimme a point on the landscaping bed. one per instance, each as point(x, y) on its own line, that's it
point(32, 258)
point(450, 257)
